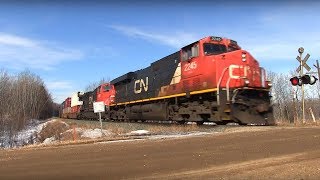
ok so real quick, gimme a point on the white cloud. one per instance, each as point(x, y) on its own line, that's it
point(9, 39)
point(61, 89)
point(278, 34)
point(283, 51)
point(176, 40)
point(60, 96)
point(20, 52)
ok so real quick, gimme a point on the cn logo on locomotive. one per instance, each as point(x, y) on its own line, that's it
point(139, 85)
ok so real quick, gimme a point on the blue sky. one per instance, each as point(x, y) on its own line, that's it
point(69, 45)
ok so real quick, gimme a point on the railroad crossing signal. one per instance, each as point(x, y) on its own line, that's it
point(303, 78)
point(303, 63)
point(295, 81)
point(306, 79)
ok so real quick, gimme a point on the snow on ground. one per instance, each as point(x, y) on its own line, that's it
point(180, 135)
point(26, 136)
point(90, 133)
point(95, 133)
point(31, 133)
point(138, 133)
point(49, 140)
point(161, 136)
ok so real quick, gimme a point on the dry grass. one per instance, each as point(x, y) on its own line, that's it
point(298, 123)
point(85, 126)
point(53, 128)
point(117, 131)
point(66, 138)
point(70, 136)
point(70, 142)
point(173, 129)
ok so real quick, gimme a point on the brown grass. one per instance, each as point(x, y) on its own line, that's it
point(299, 123)
point(71, 142)
point(53, 128)
point(173, 129)
point(70, 136)
point(117, 131)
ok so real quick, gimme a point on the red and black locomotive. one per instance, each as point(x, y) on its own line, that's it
point(210, 80)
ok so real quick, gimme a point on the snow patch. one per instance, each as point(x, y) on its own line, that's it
point(154, 137)
point(49, 140)
point(26, 136)
point(179, 135)
point(138, 133)
point(94, 133)
point(90, 133)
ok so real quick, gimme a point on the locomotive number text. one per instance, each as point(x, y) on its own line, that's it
point(190, 66)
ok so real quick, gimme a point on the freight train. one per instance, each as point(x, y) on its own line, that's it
point(210, 80)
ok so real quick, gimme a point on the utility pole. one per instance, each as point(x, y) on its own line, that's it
point(318, 69)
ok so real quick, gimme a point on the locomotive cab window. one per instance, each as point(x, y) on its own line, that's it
point(106, 88)
point(232, 48)
point(190, 52)
point(214, 49)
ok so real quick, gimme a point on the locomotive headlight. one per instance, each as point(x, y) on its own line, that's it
point(269, 84)
point(246, 82)
point(244, 57)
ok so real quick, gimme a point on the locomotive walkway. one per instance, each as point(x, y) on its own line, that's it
point(280, 153)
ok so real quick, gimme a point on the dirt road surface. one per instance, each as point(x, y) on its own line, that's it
point(280, 153)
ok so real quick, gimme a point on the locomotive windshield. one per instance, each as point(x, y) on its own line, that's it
point(214, 49)
point(106, 88)
point(232, 48)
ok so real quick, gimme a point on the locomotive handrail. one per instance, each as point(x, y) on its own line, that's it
point(228, 93)
point(218, 85)
point(227, 84)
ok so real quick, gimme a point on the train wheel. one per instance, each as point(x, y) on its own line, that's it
point(181, 122)
point(222, 122)
point(200, 123)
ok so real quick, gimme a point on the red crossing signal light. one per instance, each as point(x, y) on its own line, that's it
point(295, 81)
point(305, 79)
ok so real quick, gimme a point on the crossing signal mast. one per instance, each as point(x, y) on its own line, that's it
point(303, 79)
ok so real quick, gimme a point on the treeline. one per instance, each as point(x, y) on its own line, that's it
point(22, 98)
point(287, 99)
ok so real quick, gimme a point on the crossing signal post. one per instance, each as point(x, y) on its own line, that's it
point(303, 78)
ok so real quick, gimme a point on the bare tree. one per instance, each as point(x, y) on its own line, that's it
point(92, 86)
point(22, 98)
point(282, 93)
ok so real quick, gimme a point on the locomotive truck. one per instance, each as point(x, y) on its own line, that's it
point(210, 80)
